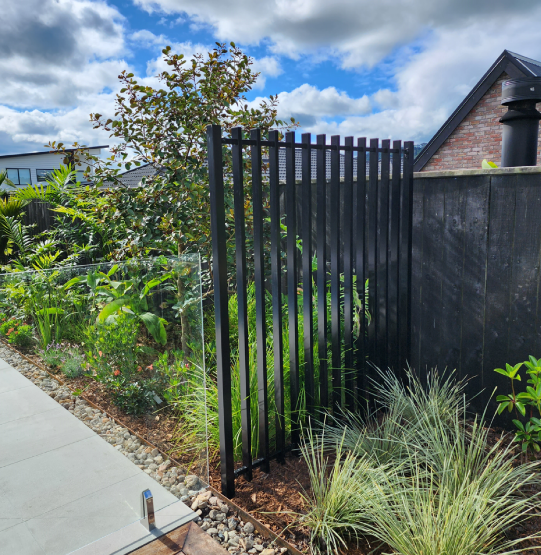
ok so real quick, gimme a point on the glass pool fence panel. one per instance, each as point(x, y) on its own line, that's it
point(127, 338)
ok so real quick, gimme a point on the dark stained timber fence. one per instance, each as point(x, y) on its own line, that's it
point(476, 275)
point(357, 224)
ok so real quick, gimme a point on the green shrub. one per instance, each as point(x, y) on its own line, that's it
point(111, 346)
point(53, 355)
point(68, 359)
point(21, 336)
point(8, 324)
point(134, 397)
point(17, 332)
point(529, 434)
point(74, 364)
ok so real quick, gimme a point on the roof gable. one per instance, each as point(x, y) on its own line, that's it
point(513, 64)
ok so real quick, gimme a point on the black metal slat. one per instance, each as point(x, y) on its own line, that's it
point(335, 277)
point(381, 263)
point(321, 277)
point(259, 280)
point(308, 324)
point(348, 275)
point(372, 249)
point(360, 268)
point(242, 302)
point(276, 284)
point(292, 307)
point(394, 221)
point(219, 267)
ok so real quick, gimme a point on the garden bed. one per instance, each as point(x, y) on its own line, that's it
point(274, 499)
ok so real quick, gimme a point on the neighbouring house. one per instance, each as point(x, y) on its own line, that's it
point(34, 167)
point(134, 177)
point(473, 132)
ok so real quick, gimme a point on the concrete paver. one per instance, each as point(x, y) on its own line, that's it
point(62, 487)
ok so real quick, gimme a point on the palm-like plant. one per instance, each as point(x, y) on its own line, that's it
point(12, 232)
point(59, 183)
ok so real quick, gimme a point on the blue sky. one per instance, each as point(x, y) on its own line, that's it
point(392, 69)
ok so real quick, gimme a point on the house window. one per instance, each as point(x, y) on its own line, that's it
point(44, 175)
point(19, 176)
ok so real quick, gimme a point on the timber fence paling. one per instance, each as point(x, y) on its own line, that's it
point(40, 214)
point(355, 228)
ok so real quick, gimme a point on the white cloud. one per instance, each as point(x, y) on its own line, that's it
point(430, 83)
point(358, 32)
point(147, 38)
point(59, 61)
point(54, 53)
point(269, 66)
point(187, 49)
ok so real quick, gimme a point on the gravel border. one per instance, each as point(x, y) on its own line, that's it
point(213, 515)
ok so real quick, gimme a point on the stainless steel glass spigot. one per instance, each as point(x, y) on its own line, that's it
point(147, 504)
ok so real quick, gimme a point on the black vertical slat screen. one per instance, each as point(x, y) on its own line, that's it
point(372, 246)
point(321, 278)
point(276, 284)
point(336, 347)
point(394, 220)
point(292, 307)
point(219, 266)
point(307, 311)
point(240, 259)
point(259, 282)
point(382, 254)
point(367, 236)
point(360, 267)
point(347, 223)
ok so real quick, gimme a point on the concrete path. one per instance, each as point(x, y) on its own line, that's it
point(62, 487)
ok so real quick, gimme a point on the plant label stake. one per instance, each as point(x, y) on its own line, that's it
point(147, 501)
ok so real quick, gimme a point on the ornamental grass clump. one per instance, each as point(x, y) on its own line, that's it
point(342, 494)
point(425, 513)
point(421, 478)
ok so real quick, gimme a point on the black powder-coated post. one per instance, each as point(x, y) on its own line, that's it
point(292, 307)
point(259, 279)
point(240, 259)
point(321, 274)
point(381, 264)
point(276, 284)
point(336, 351)
point(360, 268)
point(307, 308)
point(219, 267)
point(348, 275)
point(372, 248)
point(394, 229)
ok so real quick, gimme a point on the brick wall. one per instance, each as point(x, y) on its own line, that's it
point(478, 136)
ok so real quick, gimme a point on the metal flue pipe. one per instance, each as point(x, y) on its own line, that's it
point(520, 122)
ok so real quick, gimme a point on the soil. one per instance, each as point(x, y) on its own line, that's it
point(275, 499)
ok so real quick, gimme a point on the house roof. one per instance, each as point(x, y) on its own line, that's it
point(133, 178)
point(511, 63)
point(52, 151)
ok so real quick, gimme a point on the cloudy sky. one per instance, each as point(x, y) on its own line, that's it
point(387, 69)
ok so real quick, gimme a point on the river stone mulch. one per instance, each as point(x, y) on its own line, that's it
point(214, 516)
